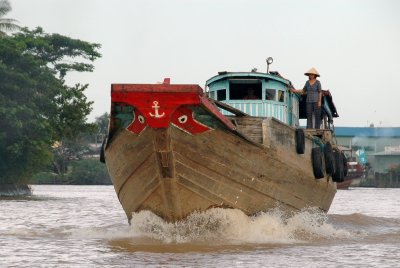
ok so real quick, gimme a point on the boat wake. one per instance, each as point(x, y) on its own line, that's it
point(232, 226)
point(224, 229)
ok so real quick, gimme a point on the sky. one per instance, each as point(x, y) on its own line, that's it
point(354, 44)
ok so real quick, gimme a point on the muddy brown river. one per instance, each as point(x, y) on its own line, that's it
point(85, 226)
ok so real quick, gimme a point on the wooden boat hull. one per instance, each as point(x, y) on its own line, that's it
point(173, 173)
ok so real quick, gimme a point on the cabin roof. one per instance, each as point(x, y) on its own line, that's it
point(367, 131)
point(156, 88)
point(224, 75)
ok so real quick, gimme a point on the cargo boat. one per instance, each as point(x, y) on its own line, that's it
point(174, 149)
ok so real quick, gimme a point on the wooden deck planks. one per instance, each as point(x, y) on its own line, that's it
point(219, 180)
point(266, 172)
point(237, 156)
point(139, 186)
point(126, 153)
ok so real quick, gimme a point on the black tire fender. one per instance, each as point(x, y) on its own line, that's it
point(316, 157)
point(338, 175)
point(345, 168)
point(300, 141)
point(329, 159)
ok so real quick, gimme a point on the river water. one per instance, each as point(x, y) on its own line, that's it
point(85, 226)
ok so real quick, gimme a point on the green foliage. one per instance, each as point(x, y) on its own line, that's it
point(37, 108)
point(88, 171)
point(59, 51)
point(79, 147)
point(68, 150)
point(6, 24)
point(45, 178)
point(102, 123)
point(83, 172)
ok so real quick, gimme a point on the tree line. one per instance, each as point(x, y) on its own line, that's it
point(43, 120)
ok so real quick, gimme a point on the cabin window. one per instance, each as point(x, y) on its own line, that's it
point(270, 94)
point(245, 89)
point(221, 95)
point(281, 96)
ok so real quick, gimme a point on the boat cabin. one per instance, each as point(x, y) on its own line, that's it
point(265, 95)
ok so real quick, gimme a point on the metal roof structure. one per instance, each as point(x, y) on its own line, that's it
point(225, 75)
point(386, 153)
point(367, 132)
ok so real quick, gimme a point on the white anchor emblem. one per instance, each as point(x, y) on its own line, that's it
point(156, 114)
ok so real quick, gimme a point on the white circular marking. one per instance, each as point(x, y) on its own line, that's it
point(141, 119)
point(183, 119)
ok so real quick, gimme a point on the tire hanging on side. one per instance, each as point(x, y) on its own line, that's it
point(316, 157)
point(338, 175)
point(329, 159)
point(300, 141)
point(345, 168)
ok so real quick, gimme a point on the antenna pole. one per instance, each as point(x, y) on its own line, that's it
point(270, 60)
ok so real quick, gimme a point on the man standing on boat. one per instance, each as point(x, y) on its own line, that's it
point(312, 89)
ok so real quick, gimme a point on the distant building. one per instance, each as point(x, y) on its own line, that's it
point(381, 144)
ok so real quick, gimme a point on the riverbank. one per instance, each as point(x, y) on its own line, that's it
point(80, 172)
point(10, 189)
point(382, 180)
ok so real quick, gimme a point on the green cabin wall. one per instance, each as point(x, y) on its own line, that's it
point(286, 111)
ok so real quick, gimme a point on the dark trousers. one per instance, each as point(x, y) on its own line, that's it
point(313, 115)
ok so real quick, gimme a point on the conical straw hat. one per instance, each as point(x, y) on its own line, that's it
point(312, 71)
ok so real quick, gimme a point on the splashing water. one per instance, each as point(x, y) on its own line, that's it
point(232, 226)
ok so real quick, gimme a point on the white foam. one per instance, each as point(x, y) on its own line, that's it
point(234, 227)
